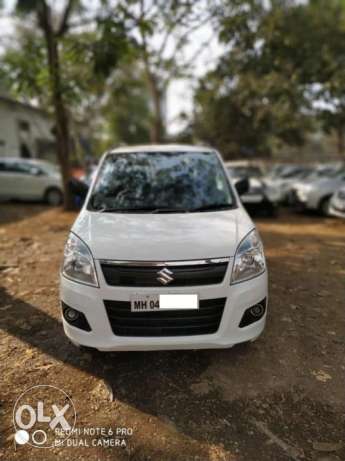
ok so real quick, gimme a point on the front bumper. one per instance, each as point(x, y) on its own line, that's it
point(89, 301)
point(298, 200)
point(335, 211)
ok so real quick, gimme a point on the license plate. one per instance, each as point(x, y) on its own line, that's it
point(156, 302)
point(144, 303)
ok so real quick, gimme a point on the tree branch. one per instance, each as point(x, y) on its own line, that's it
point(65, 17)
point(186, 34)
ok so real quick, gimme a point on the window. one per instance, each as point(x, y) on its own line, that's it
point(24, 125)
point(162, 182)
point(22, 168)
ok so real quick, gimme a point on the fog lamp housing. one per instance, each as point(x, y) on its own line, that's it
point(253, 314)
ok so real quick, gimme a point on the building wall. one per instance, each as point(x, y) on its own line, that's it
point(23, 125)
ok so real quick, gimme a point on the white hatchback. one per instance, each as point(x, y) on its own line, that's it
point(163, 255)
point(29, 179)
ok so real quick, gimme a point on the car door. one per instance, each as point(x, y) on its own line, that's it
point(32, 181)
point(10, 179)
point(6, 181)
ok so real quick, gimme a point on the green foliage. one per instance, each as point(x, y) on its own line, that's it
point(127, 113)
point(109, 46)
point(248, 118)
point(27, 6)
point(281, 63)
point(24, 69)
point(89, 88)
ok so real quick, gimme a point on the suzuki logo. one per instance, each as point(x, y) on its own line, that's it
point(165, 276)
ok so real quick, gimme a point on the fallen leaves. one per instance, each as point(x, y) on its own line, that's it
point(328, 446)
point(321, 375)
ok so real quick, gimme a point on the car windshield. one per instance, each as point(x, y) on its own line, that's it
point(161, 182)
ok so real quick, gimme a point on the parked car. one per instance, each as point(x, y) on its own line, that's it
point(163, 255)
point(326, 170)
point(259, 199)
point(316, 195)
point(284, 178)
point(28, 179)
point(337, 203)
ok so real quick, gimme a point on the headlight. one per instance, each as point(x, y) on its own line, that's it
point(303, 192)
point(249, 259)
point(78, 264)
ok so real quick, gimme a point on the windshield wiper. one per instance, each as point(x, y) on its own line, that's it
point(123, 210)
point(157, 210)
point(170, 210)
point(142, 210)
point(214, 207)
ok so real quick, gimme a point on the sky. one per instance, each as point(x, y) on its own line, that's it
point(180, 92)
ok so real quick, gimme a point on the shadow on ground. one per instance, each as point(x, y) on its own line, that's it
point(161, 384)
point(11, 212)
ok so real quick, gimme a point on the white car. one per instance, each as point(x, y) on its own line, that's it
point(163, 256)
point(337, 204)
point(283, 180)
point(316, 195)
point(28, 179)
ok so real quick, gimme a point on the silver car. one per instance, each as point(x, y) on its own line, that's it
point(316, 195)
point(24, 179)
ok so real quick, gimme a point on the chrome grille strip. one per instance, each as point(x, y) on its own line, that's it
point(192, 262)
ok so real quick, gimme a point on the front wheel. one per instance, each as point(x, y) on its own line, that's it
point(53, 197)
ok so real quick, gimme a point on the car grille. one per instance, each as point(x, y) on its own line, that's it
point(179, 275)
point(202, 321)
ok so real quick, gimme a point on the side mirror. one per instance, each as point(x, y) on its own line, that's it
point(242, 186)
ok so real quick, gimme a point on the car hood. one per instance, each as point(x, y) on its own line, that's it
point(162, 237)
point(325, 184)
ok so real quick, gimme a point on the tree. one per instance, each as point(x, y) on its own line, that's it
point(160, 31)
point(247, 118)
point(305, 45)
point(126, 112)
point(52, 36)
point(51, 59)
point(283, 68)
point(242, 107)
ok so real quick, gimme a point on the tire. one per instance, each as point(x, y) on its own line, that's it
point(53, 197)
point(324, 206)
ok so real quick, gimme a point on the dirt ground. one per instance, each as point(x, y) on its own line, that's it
point(279, 398)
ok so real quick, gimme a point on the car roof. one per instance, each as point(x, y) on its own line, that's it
point(160, 148)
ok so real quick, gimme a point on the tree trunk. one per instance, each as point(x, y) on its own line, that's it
point(61, 117)
point(157, 128)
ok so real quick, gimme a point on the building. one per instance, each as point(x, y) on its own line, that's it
point(25, 131)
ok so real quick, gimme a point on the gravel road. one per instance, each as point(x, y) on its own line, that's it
point(280, 398)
